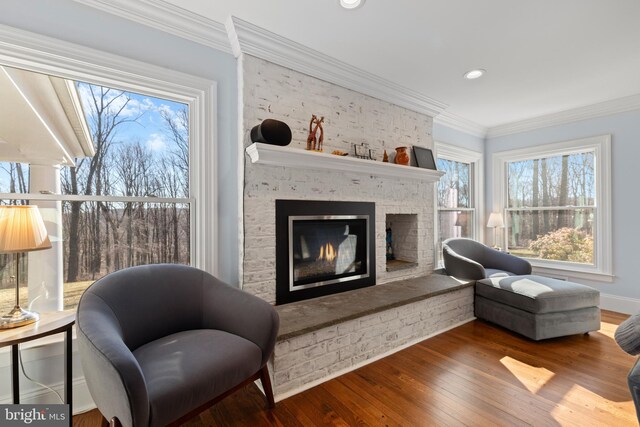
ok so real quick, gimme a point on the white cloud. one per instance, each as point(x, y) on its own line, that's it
point(164, 108)
point(156, 142)
point(173, 115)
point(132, 109)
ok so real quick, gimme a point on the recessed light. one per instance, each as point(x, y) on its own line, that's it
point(351, 4)
point(474, 74)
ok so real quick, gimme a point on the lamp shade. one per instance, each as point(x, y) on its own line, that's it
point(495, 220)
point(22, 229)
point(461, 220)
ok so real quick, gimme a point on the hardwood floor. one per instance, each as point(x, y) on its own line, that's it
point(475, 375)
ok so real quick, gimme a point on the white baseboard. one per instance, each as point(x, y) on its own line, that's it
point(82, 401)
point(282, 396)
point(620, 304)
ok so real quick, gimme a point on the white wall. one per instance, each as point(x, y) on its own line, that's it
point(447, 135)
point(70, 21)
point(624, 293)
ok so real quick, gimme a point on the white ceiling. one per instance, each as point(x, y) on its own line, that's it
point(541, 56)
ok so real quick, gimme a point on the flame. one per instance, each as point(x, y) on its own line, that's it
point(327, 253)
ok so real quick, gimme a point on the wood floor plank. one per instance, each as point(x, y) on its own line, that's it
point(466, 408)
point(477, 374)
point(579, 365)
point(498, 383)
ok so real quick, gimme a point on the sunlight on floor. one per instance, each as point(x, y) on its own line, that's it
point(608, 329)
point(578, 398)
point(533, 378)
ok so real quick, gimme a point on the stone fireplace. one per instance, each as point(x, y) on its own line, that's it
point(323, 248)
point(322, 337)
point(400, 195)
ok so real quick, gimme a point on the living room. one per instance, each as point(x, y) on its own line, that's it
point(559, 86)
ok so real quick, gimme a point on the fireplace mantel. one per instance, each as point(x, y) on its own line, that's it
point(302, 159)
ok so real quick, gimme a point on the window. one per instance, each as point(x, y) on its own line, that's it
point(111, 173)
point(458, 194)
point(556, 203)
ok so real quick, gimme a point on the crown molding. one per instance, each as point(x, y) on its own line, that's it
point(620, 105)
point(47, 55)
point(163, 16)
point(461, 124)
point(250, 39)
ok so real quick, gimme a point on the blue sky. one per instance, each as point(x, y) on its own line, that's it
point(149, 128)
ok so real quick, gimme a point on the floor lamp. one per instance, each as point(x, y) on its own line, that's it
point(21, 230)
point(495, 222)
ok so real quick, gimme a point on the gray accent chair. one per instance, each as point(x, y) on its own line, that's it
point(471, 260)
point(628, 338)
point(161, 343)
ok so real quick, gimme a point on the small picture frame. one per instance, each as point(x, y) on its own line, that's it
point(424, 158)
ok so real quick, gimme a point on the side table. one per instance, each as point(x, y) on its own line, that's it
point(50, 323)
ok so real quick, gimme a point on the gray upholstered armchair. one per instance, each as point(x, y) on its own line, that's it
point(468, 259)
point(161, 343)
point(628, 338)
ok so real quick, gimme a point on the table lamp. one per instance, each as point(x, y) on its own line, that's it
point(495, 222)
point(21, 230)
point(461, 219)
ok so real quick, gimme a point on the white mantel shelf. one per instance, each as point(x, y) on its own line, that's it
point(274, 155)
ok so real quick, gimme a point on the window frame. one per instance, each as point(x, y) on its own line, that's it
point(476, 175)
point(601, 147)
point(41, 54)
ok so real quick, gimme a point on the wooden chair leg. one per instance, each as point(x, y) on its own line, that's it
point(266, 385)
point(115, 422)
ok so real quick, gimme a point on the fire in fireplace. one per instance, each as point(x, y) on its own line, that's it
point(323, 248)
point(326, 249)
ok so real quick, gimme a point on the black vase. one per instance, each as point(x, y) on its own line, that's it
point(272, 132)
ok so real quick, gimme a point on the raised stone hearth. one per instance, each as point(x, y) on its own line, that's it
point(322, 338)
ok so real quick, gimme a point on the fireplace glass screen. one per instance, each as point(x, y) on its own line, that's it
point(327, 249)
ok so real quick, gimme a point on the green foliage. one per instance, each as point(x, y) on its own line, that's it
point(564, 244)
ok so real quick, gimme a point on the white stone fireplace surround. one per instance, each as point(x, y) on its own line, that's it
point(282, 80)
point(274, 173)
point(272, 91)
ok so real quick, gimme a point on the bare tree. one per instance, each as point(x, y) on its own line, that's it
point(564, 191)
point(535, 202)
point(106, 115)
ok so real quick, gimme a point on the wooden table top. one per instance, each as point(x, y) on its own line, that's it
point(50, 323)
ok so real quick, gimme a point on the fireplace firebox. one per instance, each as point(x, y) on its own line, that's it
point(323, 248)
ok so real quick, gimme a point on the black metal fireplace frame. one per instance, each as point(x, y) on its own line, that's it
point(313, 208)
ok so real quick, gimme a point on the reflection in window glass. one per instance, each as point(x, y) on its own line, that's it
point(453, 187)
point(455, 224)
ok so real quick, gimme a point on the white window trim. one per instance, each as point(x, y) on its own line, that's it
point(34, 52)
point(602, 270)
point(459, 154)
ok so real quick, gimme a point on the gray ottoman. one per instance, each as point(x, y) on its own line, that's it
point(538, 307)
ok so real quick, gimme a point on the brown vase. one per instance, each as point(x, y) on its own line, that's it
point(402, 157)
